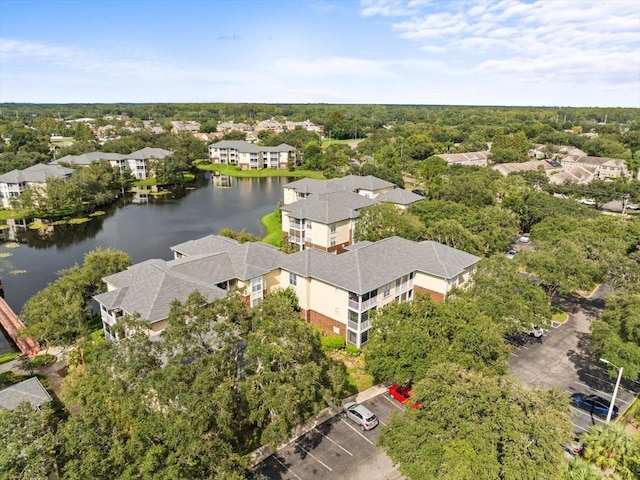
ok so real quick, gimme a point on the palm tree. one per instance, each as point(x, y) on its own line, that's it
point(579, 469)
point(613, 450)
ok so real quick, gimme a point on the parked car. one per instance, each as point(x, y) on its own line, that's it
point(633, 206)
point(534, 330)
point(588, 201)
point(402, 394)
point(593, 404)
point(511, 254)
point(575, 447)
point(361, 415)
point(417, 191)
point(524, 238)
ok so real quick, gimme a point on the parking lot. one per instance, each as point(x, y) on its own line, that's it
point(562, 359)
point(336, 449)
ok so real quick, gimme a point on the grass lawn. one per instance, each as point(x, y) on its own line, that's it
point(273, 224)
point(149, 182)
point(330, 141)
point(234, 171)
point(7, 357)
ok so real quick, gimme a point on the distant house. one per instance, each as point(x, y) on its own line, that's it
point(137, 163)
point(29, 390)
point(604, 167)
point(530, 166)
point(184, 127)
point(579, 175)
point(251, 157)
point(479, 159)
point(13, 183)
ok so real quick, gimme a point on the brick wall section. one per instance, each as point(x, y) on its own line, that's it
point(325, 323)
point(435, 296)
point(340, 248)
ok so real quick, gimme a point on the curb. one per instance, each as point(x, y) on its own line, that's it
point(262, 453)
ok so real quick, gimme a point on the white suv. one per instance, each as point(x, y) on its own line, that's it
point(360, 415)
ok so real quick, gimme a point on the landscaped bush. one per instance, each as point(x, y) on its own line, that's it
point(41, 360)
point(353, 350)
point(332, 342)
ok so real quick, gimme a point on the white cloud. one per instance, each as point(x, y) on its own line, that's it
point(565, 41)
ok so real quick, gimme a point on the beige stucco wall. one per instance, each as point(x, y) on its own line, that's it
point(431, 283)
point(290, 196)
point(328, 300)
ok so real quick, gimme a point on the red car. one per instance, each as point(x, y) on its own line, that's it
point(401, 394)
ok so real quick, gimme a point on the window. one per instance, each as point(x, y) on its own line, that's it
point(333, 241)
point(333, 228)
point(387, 289)
point(293, 280)
point(256, 285)
point(336, 330)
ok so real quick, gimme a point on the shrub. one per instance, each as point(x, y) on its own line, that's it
point(41, 360)
point(353, 350)
point(332, 342)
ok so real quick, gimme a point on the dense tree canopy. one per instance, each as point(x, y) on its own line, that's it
point(406, 340)
point(473, 426)
point(192, 404)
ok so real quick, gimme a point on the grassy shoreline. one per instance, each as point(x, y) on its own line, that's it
point(234, 171)
point(273, 223)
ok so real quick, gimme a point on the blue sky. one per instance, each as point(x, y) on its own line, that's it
point(534, 52)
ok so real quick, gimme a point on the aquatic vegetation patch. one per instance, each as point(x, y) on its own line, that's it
point(5, 254)
point(11, 245)
point(17, 272)
point(98, 213)
point(36, 226)
point(77, 221)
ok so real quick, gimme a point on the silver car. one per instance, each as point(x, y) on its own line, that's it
point(360, 415)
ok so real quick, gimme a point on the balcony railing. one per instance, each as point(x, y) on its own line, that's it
point(362, 306)
point(360, 327)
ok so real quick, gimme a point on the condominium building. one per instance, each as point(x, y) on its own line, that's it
point(252, 157)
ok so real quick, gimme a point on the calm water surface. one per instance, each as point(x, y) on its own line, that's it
point(144, 231)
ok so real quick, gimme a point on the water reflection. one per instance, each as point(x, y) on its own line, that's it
point(29, 259)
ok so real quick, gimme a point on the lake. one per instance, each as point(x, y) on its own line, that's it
point(29, 259)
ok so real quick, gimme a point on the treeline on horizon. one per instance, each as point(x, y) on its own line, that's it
point(371, 115)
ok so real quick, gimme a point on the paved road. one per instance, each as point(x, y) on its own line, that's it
point(563, 360)
point(336, 449)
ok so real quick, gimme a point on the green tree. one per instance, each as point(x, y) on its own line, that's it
point(83, 132)
point(613, 450)
point(431, 172)
point(616, 334)
point(473, 426)
point(453, 234)
point(385, 220)
point(406, 340)
point(511, 300)
point(29, 444)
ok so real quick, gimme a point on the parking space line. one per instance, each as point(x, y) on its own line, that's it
point(381, 422)
point(581, 428)
point(314, 457)
point(604, 394)
point(356, 430)
point(590, 415)
point(394, 403)
point(605, 380)
point(292, 472)
point(517, 356)
point(336, 444)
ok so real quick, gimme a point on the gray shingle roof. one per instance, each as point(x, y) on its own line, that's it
point(149, 152)
point(246, 147)
point(366, 266)
point(399, 196)
point(88, 158)
point(245, 260)
point(36, 174)
point(148, 288)
point(329, 207)
point(29, 390)
point(351, 183)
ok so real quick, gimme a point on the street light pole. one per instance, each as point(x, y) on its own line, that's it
point(615, 390)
